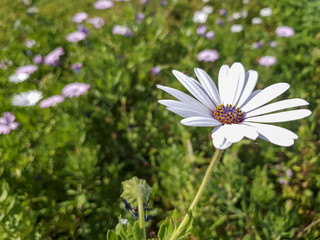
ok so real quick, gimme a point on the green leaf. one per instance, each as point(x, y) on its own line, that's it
point(169, 226)
point(138, 234)
point(111, 235)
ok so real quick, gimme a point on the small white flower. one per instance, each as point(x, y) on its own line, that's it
point(236, 28)
point(18, 77)
point(256, 20)
point(124, 221)
point(265, 12)
point(25, 99)
point(236, 15)
point(207, 9)
point(234, 109)
point(200, 17)
point(205, 1)
point(244, 14)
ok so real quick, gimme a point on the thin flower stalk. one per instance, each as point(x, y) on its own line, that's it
point(201, 189)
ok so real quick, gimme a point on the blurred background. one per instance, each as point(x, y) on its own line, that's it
point(79, 115)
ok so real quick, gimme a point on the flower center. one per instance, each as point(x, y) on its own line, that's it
point(228, 114)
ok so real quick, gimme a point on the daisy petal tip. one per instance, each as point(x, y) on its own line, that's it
point(308, 112)
point(198, 70)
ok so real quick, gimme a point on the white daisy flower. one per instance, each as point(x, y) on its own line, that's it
point(200, 17)
point(235, 110)
point(236, 15)
point(265, 12)
point(26, 99)
point(207, 9)
point(236, 28)
point(18, 77)
point(256, 20)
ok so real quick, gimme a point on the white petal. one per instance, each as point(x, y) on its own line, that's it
point(236, 80)
point(284, 142)
point(252, 95)
point(281, 117)
point(236, 132)
point(202, 110)
point(195, 89)
point(182, 96)
point(265, 96)
point(208, 85)
point(296, 102)
point(232, 133)
point(248, 131)
point(272, 129)
point(225, 144)
point(187, 113)
point(274, 134)
point(223, 82)
point(251, 80)
point(218, 139)
point(200, 122)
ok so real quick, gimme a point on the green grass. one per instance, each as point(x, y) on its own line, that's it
point(61, 170)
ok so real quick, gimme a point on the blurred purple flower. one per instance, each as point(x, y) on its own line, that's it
point(210, 35)
point(28, 69)
point(83, 29)
point(51, 101)
point(272, 44)
point(163, 3)
point(3, 66)
point(144, 1)
point(257, 44)
point(53, 58)
point(267, 61)
point(30, 43)
point(80, 17)
point(122, 30)
point(4, 62)
point(7, 123)
point(75, 89)
point(155, 70)
point(140, 17)
point(37, 59)
point(97, 22)
point(76, 36)
point(223, 12)
point(76, 67)
point(219, 22)
point(285, 31)
point(283, 181)
point(208, 55)
point(201, 29)
point(289, 173)
point(103, 4)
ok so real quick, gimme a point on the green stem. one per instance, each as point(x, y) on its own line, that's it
point(141, 211)
point(196, 199)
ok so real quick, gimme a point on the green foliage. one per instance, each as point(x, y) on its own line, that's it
point(126, 231)
point(61, 170)
point(170, 227)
